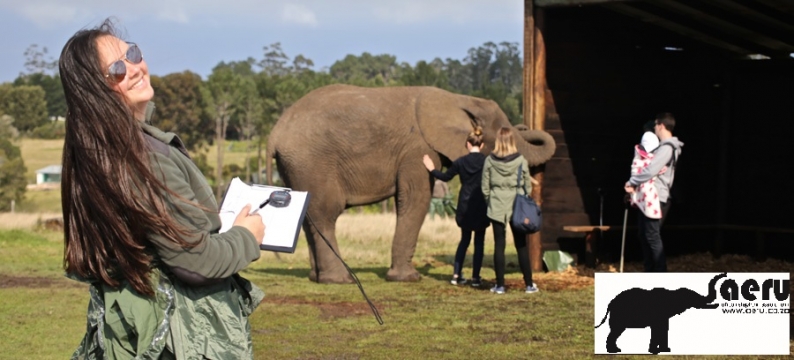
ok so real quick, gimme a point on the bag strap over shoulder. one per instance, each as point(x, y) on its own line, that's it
point(672, 158)
point(518, 180)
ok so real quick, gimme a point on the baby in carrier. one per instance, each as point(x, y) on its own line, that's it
point(646, 198)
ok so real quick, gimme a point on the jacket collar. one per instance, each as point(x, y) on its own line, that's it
point(507, 158)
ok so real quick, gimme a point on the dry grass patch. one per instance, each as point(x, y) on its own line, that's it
point(39, 153)
point(25, 220)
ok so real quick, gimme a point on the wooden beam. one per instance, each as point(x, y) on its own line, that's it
point(539, 74)
point(529, 67)
point(723, 25)
point(529, 101)
point(561, 3)
point(751, 14)
point(538, 117)
point(647, 17)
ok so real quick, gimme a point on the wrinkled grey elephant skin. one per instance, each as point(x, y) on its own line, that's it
point(351, 146)
point(640, 308)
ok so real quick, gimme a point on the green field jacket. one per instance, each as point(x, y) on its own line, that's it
point(201, 306)
point(499, 180)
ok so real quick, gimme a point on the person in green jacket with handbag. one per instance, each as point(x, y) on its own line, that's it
point(141, 222)
point(499, 186)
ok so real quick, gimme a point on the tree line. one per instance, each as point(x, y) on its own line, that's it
point(242, 100)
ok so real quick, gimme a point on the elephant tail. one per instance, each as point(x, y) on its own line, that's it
point(604, 319)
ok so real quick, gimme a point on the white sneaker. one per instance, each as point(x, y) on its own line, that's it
point(498, 289)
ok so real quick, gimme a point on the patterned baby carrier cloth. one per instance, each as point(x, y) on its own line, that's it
point(646, 197)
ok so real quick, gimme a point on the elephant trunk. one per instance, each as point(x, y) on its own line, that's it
point(536, 146)
point(713, 288)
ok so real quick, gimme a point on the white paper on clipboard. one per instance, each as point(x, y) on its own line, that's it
point(282, 225)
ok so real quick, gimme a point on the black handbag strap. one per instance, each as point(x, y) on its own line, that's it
point(518, 180)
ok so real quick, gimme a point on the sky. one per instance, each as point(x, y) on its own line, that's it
point(195, 35)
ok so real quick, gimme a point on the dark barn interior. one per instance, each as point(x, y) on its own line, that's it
point(725, 69)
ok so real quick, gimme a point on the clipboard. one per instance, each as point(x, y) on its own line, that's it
point(282, 225)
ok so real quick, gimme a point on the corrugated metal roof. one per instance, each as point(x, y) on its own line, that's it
point(52, 169)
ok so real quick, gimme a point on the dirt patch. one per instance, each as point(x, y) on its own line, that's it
point(53, 224)
point(33, 282)
point(327, 310)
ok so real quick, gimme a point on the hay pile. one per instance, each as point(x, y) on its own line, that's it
point(582, 276)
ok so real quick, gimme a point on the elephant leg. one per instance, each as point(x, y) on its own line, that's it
point(659, 337)
point(612, 338)
point(413, 197)
point(326, 267)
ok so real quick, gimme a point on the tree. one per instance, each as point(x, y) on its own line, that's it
point(182, 108)
point(275, 60)
point(223, 87)
point(424, 74)
point(37, 61)
point(53, 91)
point(366, 70)
point(12, 173)
point(459, 76)
point(7, 129)
point(251, 113)
point(26, 104)
point(493, 72)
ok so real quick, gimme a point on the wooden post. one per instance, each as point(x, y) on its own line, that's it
point(529, 67)
point(535, 104)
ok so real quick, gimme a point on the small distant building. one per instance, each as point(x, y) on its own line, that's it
point(49, 175)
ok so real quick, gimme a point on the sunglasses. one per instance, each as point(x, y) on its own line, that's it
point(117, 71)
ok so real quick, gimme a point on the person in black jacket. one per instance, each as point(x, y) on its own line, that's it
point(471, 213)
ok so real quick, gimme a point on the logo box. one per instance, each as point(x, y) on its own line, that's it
point(692, 313)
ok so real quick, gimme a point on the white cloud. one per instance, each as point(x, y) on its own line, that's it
point(53, 13)
point(47, 14)
point(456, 11)
point(173, 12)
point(298, 14)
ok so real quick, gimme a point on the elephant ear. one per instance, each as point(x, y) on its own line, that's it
point(445, 120)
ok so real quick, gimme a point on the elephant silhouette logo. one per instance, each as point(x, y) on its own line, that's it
point(640, 308)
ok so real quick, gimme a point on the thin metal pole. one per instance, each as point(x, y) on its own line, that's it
point(623, 242)
point(601, 211)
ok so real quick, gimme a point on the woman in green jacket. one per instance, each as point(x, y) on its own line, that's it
point(141, 223)
point(500, 186)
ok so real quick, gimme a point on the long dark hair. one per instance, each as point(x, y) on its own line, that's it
point(112, 202)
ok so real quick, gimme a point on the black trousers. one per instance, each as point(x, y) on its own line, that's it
point(520, 239)
point(463, 247)
point(651, 241)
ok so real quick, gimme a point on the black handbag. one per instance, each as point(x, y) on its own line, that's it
point(527, 217)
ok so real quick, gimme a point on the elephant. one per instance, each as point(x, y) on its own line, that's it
point(351, 146)
point(640, 308)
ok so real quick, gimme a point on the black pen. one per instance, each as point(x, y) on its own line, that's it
point(260, 206)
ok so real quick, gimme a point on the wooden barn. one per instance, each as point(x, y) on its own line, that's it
point(596, 70)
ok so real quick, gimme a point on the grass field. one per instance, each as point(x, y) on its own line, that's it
point(42, 314)
point(39, 153)
point(303, 320)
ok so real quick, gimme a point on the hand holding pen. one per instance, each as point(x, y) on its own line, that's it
point(251, 221)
